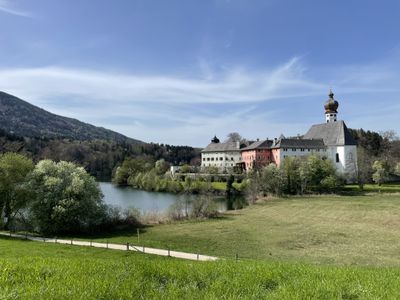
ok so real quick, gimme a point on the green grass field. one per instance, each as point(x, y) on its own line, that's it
point(316, 247)
point(360, 230)
point(31, 270)
point(374, 188)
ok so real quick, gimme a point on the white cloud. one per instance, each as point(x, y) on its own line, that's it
point(189, 110)
point(236, 85)
point(7, 7)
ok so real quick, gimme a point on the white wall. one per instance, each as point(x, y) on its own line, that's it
point(226, 161)
point(347, 164)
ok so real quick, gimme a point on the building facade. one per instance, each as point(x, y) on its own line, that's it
point(331, 139)
point(340, 145)
point(225, 156)
point(299, 147)
point(256, 155)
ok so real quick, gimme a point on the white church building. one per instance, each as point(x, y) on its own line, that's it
point(341, 147)
point(330, 139)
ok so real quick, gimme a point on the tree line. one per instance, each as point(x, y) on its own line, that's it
point(147, 174)
point(98, 157)
point(378, 156)
point(52, 197)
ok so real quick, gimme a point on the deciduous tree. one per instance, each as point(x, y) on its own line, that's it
point(381, 173)
point(67, 198)
point(14, 191)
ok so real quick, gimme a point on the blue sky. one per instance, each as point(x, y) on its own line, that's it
point(179, 72)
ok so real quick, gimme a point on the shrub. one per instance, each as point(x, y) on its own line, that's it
point(203, 207)
point(67, 198)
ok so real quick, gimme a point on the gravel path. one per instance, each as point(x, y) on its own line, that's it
point(127, 247)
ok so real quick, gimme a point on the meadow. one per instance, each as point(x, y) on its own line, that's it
point(310, 247)
point(32, 270)
point(345, 230)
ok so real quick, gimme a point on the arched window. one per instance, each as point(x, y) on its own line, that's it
point(337, 157)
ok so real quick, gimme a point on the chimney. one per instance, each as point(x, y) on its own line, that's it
point(237, 145)
point(258, 139)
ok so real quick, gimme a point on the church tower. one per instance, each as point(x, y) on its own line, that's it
point(331, 106)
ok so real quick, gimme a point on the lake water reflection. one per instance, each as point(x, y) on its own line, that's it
point(146, 202)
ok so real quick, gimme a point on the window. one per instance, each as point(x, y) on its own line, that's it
point(284, 149)
point(204, 159)
point(212, 158)
point(302, 149)
point(221, 158)
point(337, 157)
point(294, 149)
point(208, 159)
point(309, 150)
point(231, 158)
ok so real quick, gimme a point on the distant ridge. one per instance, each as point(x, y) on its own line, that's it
point(21, 118)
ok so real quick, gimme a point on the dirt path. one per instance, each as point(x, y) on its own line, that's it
point(127, 247)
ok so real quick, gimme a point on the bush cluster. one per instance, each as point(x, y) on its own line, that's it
point(295, 176)
point(52, 197)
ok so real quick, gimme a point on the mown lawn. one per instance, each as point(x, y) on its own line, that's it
point(349, 230)
point(32, 270)
point(374, 188)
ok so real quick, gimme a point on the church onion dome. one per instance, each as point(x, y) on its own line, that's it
point(215, 140)
point(331, 105)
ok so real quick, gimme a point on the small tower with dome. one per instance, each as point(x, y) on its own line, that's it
point(331, 106)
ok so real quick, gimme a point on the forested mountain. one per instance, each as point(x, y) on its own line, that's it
point(27, 129)
point(24, 119)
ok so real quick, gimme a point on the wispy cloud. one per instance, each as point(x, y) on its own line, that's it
point(188, 110)
point(7, 7)
point(233, 86)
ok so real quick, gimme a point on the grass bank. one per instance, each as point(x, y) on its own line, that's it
point(345, 230)
point(373, 188)
point(47, 271)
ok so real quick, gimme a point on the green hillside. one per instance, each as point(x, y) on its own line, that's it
point(31, 270)
point(24, 119)
point(345, 230)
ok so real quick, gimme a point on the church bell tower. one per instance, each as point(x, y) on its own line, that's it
point(331, 106)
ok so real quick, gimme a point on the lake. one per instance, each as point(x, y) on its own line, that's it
point(147, 202)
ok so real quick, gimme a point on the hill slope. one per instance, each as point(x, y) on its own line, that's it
point(47, 271)
point(24, 119)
